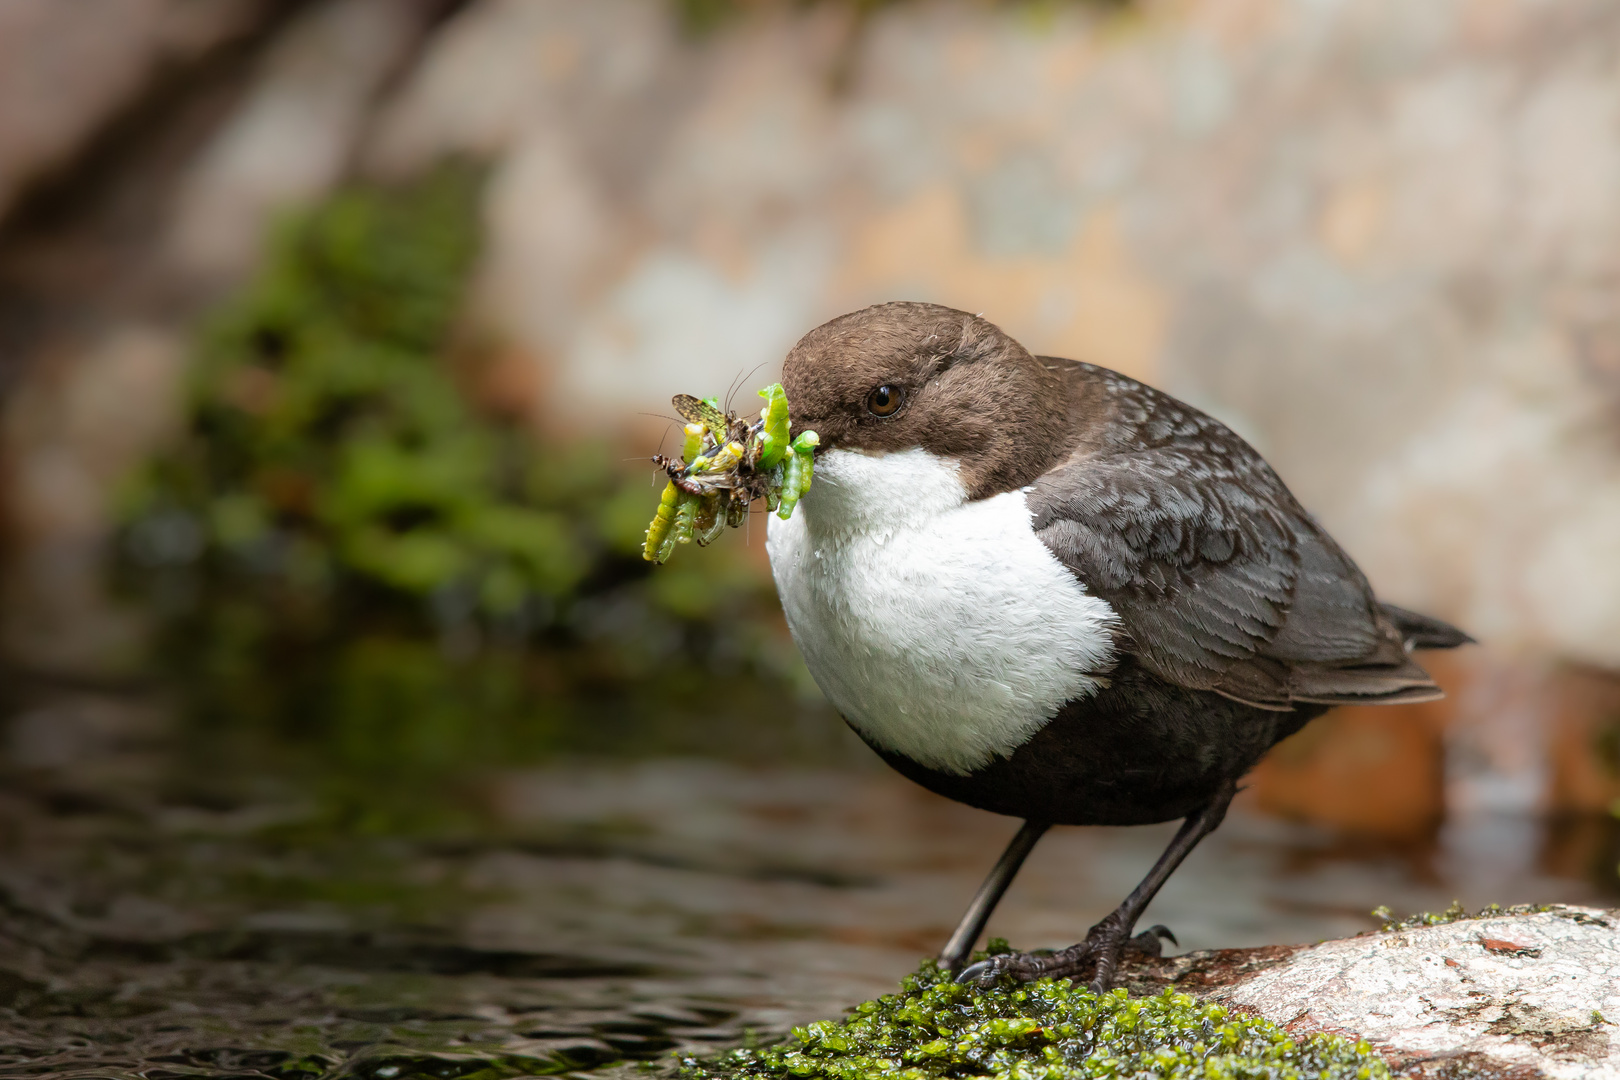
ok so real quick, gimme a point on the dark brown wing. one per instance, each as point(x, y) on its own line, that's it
point(1220, 579)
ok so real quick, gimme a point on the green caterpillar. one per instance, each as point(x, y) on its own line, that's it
point(773, 437)
point(797, 472)
point(660, 544)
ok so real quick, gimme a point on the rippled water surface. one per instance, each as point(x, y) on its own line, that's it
point(198, 898)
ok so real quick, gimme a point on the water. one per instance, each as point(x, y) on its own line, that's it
point(289, 899)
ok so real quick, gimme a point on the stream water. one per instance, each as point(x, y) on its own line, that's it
point(195, 897)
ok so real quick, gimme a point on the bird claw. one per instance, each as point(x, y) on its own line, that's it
point(984, 974)
point(987, 973)
point(1103, 945)
point(1148, 940)
point(1026, 967)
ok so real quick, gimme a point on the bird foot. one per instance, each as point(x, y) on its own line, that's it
point(1098, 954)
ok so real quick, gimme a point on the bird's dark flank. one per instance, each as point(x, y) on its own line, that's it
point(1044, 589)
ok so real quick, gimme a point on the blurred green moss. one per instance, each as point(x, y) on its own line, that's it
point(328, 443)
point(328, 446)
point(363, 583)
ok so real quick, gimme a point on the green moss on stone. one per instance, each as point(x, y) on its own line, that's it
point(1455, 913)
point(1047, 1030)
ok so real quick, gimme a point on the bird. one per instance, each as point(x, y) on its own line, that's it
point(1047, 590)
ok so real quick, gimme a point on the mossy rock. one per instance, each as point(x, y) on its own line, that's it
point(1047, 1030)
point(1455, 913)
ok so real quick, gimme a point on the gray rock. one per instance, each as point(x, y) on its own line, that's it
point(293, 135)
point(1522, 994)
point(66, 69)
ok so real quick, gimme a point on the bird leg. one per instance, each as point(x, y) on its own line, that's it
point(1101, 949)
point(989, 895)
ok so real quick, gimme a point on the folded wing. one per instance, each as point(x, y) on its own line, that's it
point(1220, 579)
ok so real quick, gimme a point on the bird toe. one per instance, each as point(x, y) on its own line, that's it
point(984, 974)
point(1149, 940)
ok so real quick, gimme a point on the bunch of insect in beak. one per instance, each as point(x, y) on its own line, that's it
point(725, 464)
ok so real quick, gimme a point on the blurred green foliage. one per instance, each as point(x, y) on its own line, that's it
point(327, 441)
point(330, 453)
point(361, 581)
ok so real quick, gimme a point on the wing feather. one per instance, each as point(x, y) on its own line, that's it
point(1220, 579)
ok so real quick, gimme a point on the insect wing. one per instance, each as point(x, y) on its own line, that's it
point(697, 411)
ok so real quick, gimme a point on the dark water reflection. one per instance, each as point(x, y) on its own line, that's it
point(181, 895)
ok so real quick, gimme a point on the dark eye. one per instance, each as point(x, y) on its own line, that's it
point(884, 401)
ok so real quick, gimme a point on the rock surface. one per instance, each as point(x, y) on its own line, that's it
point(1518, 995)
point(67, 69)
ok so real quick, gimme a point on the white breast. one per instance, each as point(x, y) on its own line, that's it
point(941, 628)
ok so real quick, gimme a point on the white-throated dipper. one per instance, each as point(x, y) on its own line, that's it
point(1044, 589)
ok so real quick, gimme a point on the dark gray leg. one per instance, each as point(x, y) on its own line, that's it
point(989, 895)
point(1105, 941)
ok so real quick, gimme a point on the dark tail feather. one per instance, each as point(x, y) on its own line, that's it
point(1423, 632)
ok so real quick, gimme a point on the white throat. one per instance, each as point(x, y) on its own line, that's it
point(878, 494)
point(941, 628)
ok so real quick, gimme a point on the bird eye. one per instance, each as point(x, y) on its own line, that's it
point(884, 401)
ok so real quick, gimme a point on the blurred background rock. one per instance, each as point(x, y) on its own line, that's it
point(1380, 239)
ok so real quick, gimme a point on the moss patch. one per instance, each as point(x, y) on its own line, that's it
point(1455, 913)
point(1047, 1030)
point(330, 458)
point(326, 443)
point(366, 584)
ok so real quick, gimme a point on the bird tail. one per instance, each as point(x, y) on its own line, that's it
point(1423, 632)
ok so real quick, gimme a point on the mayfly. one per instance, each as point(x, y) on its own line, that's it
point(706, 411)
point(726, 464)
